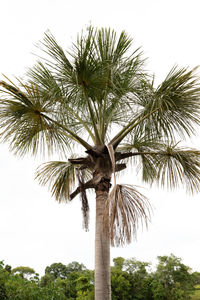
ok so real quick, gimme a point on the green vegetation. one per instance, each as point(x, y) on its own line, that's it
point(130, 280)
point(196, 293)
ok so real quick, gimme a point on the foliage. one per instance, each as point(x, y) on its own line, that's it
point(196, 294)
point(172, 280)
point(196, 277)
point(58, 270)
point(131, 280)
point(24, 272)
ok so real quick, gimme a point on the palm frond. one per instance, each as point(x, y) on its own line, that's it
point(171, 109)
point(84, 199)
point(95, 77)
point(41, 75)
point(178, 166)
point(31, 122)
point(145, 150)
point(177, 104)
point(163, 162)
point(60, 177)
point(59, 61)
point(140, 142)
point(109, 49)
point(169, 165)
point(127, 208)
point(61, 98)
point(23, 123)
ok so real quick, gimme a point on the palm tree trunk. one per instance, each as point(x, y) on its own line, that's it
point(102, 248)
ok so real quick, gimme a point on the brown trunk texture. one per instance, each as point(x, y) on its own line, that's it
point(102, 249)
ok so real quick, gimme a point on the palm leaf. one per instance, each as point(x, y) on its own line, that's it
point(109, 49)
point(176, 104)
point(172, 108)
point(163, 162)
point(127, 208)
point(97, 68)
point(145, 152)
point(60, 177)
point(24, 125)
point(59, 61)
point(33, 122)
point(176, 166)
point(85, 206)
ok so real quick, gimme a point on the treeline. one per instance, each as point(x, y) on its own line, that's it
point(130, 279)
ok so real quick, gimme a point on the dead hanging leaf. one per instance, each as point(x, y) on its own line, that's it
point(84, 200)
point(127, 208)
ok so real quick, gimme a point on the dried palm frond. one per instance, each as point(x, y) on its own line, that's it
point(84, 199)
point(127, 208)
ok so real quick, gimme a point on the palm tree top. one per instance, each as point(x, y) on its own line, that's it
point(100, 96)
point(99, 90)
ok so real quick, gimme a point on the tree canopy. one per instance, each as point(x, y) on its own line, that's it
point(131, 279)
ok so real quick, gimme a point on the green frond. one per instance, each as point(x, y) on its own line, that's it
point(98, 75)
point(60, 178)
point(168, 165)
point(178, 166)
point(127, 208)
point(109, 49)
point(61, 99)
point(163, 162)
point(59, 61)
point(24, 126)
point(146, 152)
point(177, 98)
point(41, 76)
point(138, 141)
point(171, 109)
point(31, 119)
point(144, 147)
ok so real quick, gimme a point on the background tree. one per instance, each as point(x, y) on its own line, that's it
point(131, 279)
point(85, 286)
point(100, 97)
point(196, 277)
point(57, 270)
point(3, 292)
point(172, 279)
point(74, 279)
point(24, 272)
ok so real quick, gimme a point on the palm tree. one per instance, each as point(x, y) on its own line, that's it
point(100, 97)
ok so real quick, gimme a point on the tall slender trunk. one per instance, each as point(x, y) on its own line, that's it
point(102, 248)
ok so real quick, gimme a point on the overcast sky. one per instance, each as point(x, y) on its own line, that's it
point(35, 230)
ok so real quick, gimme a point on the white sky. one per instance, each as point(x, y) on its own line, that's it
point(35, 230)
